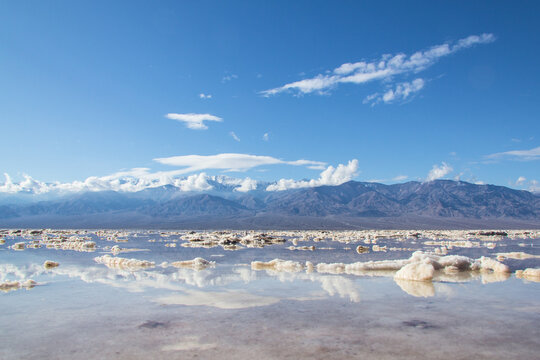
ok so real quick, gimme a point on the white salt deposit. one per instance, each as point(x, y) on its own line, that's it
point(310, 248)
point(531, 274)
point(449, 264)
point(18, 246)
point(16, 285)
point(490, 264)
point(362, 249)
point(49, 264)
point(123, 263)
point(516, 256)
point(278, 265)
point(418, 271)
point(195, 264)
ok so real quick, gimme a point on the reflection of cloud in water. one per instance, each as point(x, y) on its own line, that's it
point(230, 299)
point(181, 280)
point(339, 285)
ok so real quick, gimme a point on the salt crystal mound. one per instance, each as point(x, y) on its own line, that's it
point(278, 265)
point(516, 256)
point(123, 263)
point(195, 264)
point(423, 266)
point(18, 246)
point(418, 271)
point(117, 249)
point(530, 274)
point(310, 248)
point(49, 264)
point(8, 286)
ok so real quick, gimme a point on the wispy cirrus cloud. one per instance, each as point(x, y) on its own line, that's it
point(400, 178)
point(399, 92)
point(230, 162)
point(234, 136)
point(523, 155)
point(385, 67)
point(229, 77)
point(194, 121)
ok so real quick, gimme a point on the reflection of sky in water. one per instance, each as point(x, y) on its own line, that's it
point(188, 307)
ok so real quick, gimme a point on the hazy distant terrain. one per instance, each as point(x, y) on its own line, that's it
point(435, 204)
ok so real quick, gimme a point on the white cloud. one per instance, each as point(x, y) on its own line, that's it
point(241, 185)
point(228, 162)
point(400, 178)
point(229, 77)
point(138, 179)
point(438, 172)
point(330, 176)
point(129, 181)
point(532, 154)
point(196, 182)
point(234, 136)
point(521, 180)
point(205, 96)
point(28, 185)
point(194, 121)
point(382, 68)
point(534, 186)
point(266, 137)
point(399, 93)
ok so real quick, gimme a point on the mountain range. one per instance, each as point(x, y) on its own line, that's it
point(435, 204)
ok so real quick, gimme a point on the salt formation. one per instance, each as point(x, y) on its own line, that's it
point(516, 256)
point(362, 249)
point(195, 264)
point(16, 285)
point(419, 267)
point(18, 246)
point(419, 271)
point(50, 264)
point(123, 263)
point(378, 248)
point(310, 248)
point(531, 274)
point(278, 265)
point(117, 249)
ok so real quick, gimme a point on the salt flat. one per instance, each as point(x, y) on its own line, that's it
point(274, 294)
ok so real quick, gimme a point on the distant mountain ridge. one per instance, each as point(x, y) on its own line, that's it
point(350, 202)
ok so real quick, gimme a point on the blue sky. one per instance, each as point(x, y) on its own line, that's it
point(91, 89)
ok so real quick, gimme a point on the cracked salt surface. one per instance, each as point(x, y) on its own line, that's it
point(449, 288)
